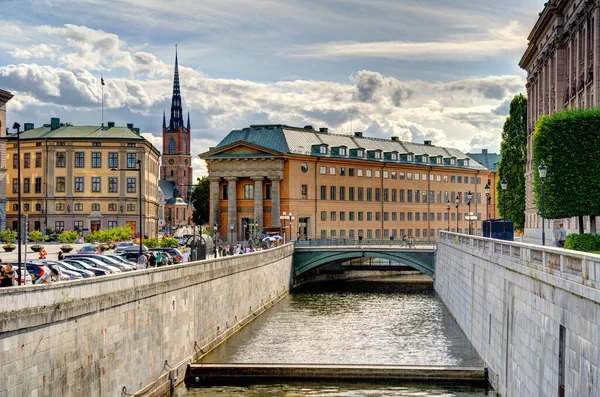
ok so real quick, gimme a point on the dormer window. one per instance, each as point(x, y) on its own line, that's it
point(394, 156)
point(452, 161)
point(439, 160)
point(342, 151)
point(466, 162)
point(409, 157)
point(323, 149)
point(425, 158)
point(377, 154)
point(360, 153)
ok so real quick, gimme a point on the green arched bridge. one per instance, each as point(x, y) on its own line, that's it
point(312, 254)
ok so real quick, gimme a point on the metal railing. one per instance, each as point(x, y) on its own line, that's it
point(349, 242)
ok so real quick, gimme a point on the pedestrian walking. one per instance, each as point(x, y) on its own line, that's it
point(142, 262)
point(152, 260)
point(164, 261)
point(561, 236)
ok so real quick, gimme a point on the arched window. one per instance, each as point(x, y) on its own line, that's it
point(171, 172)
point(184, 145)
point(172, 146)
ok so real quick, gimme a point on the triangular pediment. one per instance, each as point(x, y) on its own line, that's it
point(240, 149)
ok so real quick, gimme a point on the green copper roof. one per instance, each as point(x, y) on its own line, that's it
point(294, 140)
point(78, 132)
point(488, 160)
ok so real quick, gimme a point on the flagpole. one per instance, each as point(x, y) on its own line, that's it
point(102, 84)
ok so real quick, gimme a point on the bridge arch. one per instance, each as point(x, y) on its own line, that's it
point(306, 261)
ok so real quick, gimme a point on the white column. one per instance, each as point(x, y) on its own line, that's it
point(275, 202)
point(232, 209)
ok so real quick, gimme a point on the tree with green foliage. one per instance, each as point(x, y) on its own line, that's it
point(569, 145)
point(514, 159)
point(200, 199)
point(68, 236)
point(169, 242)
point(8, 236)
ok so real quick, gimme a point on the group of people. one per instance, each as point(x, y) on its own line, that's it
point(152, 260)
point(238, 248)
point(7, 275)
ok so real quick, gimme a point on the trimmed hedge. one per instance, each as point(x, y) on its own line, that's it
point(582, 242)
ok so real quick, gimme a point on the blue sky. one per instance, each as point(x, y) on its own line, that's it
point(423, 69)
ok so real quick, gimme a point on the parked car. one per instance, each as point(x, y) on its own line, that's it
point(37, 270)
point(134, 248)
point(124, 267)
point(119, 258)
point(174, 252)
point(25, 278)
point(130, 256)
point(122, 245)
point(68, 266)
point(95, 263)
point(86, 266)
point(90, 249)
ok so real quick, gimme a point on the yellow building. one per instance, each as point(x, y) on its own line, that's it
point(342, 186)
point(83, 178)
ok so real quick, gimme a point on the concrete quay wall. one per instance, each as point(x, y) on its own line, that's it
point(513, 301)
point(131, 332)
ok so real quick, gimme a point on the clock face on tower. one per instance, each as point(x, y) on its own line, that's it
point(171, 161)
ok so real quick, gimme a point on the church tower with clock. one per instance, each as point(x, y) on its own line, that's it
point(176, 159)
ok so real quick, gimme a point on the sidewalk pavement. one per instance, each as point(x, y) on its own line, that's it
point(51, 249)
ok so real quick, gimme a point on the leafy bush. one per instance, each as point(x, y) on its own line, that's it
point(8, 236)
point(152, 242)
point(119, 233)
point(169, 242)
point(36, 236)
point(68, 236)
point(581, 242)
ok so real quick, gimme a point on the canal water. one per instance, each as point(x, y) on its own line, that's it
point(369, 321)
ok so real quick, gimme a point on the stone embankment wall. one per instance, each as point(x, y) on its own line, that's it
point(518, 303)
point(97, 336)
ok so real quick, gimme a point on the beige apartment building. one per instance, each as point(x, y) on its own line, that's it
point(561, 60)
point(342, 186)
point(68, 181)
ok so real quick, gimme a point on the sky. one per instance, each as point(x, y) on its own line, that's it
point(440, 70)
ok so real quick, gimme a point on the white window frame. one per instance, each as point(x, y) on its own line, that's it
point(323, 170)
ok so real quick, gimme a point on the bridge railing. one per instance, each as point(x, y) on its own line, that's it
point(422, 244)
point(580, 267)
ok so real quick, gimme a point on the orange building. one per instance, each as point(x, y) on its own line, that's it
point(341, 186)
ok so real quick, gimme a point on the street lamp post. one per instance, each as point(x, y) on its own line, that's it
point(448, 208)
point(215, 238)
point(487, 203)
point(542, 170)
point(17, 127)
point(285, 217)
point(457, 201)
point(504, 186)
point(139, 170)
point(469, 197)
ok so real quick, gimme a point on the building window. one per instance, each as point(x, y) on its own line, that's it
point(78, 206)
point(15, 161)
point(342, 171)
point(113, 160)
point(360, 216)
point(172, 145)
point(131, 160)
point(394, 195)
point(59, 226)
point(224, 192)
point(401, 175)
point(378, 216)
point(131, 185)
point(351, 234)
point(324, 216)
point(112, 206)
point(369, 194)
point(323, 170)
point(369, 234)
point(409, 176)
point(79, 184)
point(112, 224)
point(360, 153)
point(342, 193)
point(15, 184)
point(351, 216)
point(130, 207)
point(323, 234)
point(377, 174)
point(96, 160)
point(359, 172)
point(323, 192)
point(79, 159)
point(332, 190)
point(304, 192)
point(361, 194)
point(95, 207)
point(268, 187)
point(369, 173)
point(78, 226)
point(131, 145)
point(351, 193)
point(15, 208)
point(184, 146)
point(332, 216)
point(323, 149)
point(38, 160)
point(377, 194)
point(38, 185)
point(248, 192)
point(409, 216)
point(96, 144)
point(369, 216)
point(342, 151)
point(61, 161)
point(27, 160)
point(113, 185)
point(350, 171)
point(60, 207)
point(331, 170)
point(394, 216)
point(342, 216)
point(60, 184)
point(96, 184)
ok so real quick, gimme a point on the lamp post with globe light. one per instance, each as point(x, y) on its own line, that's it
point(542, 170)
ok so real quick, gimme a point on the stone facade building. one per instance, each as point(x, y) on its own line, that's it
point(340, 186)
point(5, 96)
point(68, 181)
point(561, 60)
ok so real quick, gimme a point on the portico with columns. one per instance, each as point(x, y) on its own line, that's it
point(245, 192)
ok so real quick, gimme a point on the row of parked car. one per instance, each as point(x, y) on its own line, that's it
point(90, 262)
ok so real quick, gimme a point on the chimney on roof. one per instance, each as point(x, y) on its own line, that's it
point(54, 123)
point(136, 130)
point(324, 129)
point(308, 127)
point(427, 143)
point(484, 151)
point(130, 126)
point(358, 134)
point(395, 139)
point(29, 126)
point(111, 124)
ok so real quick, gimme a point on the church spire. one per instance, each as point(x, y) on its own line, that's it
point(188, 124)
point(164, 120)
point(176, 110)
